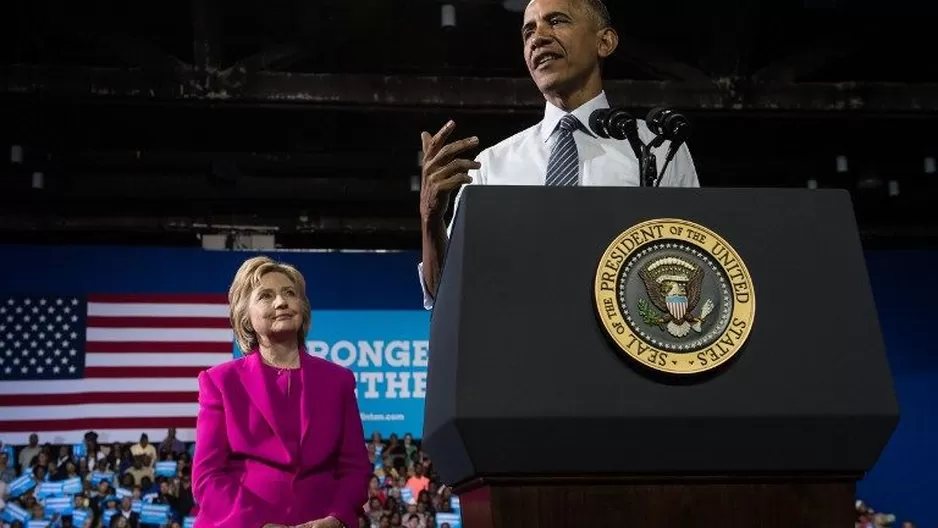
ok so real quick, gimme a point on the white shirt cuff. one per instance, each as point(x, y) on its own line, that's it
point(427, 298)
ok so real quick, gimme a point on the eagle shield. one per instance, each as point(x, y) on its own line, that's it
point(677, 306)
point(673, 285)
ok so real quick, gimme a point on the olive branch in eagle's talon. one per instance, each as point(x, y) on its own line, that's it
point(651, 317)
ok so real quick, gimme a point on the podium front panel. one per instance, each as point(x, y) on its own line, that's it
point(524, 379)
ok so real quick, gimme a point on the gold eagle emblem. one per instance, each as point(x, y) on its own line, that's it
point(673, 285)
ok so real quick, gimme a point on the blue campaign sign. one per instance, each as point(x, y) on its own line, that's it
point(387, 350)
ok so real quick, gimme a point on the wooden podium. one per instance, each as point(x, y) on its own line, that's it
point(545, 409)
point(680, 501)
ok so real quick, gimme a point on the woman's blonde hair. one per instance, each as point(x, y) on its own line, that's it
point(239, 297)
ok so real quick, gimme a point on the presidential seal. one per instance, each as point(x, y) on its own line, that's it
point(674, 296)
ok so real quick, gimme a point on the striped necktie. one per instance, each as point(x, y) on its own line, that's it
point(564, 163)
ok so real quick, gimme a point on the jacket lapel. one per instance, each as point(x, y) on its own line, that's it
point(259, 391)
point(309, 386)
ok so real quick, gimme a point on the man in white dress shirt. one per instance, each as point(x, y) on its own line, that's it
point(565, 42)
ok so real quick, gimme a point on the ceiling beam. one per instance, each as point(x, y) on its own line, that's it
point(809, 60)
point(275, 58)
point(655, 62)
point(401, 91)
point(144, 55)
point(362, 231)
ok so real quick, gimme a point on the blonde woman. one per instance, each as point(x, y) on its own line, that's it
point(279, 437)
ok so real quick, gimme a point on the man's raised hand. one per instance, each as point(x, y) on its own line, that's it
point(442, 171)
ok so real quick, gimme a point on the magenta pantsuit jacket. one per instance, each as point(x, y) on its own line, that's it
point(243, 473)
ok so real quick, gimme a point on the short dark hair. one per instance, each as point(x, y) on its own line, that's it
point(600, 12)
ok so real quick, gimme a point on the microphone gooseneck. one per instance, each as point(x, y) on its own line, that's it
point(668, 125)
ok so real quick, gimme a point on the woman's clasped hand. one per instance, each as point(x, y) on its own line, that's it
point(328, 522)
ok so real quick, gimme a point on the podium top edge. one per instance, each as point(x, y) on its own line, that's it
point(761, 190)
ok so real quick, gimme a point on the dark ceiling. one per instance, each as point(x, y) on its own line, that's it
point(146, 118)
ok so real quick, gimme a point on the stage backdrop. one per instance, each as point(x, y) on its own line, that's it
point(154, 318)
point(124, 331)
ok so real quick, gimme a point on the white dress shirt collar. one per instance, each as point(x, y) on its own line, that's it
point(553, 114)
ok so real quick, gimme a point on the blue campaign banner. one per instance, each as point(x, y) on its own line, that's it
point(407, 496)
point(156, 514)
point(60, 505)
point(49, 489)
point(387, 350)
point(14, 512)
point(166, 468)
point(123, 492)
point(72, 486)
point(448, 520)
point(98, 476)
point(21, 485)
point(106, 517)
point(80, 516)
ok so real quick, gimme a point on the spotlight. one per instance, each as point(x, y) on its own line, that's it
point(842, 164)
point(448, 16)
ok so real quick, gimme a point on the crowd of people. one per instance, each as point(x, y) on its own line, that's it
point(90, 485)
point(117, 480)
point(404, 490)
point(125, 485)
point(867, 517)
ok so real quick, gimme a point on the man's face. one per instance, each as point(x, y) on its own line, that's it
point(562, 44)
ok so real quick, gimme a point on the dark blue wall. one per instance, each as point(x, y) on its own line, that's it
point(335, 280)
point(905, 284)
point(905, 480)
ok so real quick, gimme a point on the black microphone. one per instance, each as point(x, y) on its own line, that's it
point(669, 124)
point(598, 122)
point(613, 123)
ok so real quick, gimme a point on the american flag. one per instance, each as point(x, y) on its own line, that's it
point(116, 364)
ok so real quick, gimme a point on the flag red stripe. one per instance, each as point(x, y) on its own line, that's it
point(158, 322)
point(143, 372)
point(88, 424)
point(169, 298)
point(111, 347)
point(34, 400)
